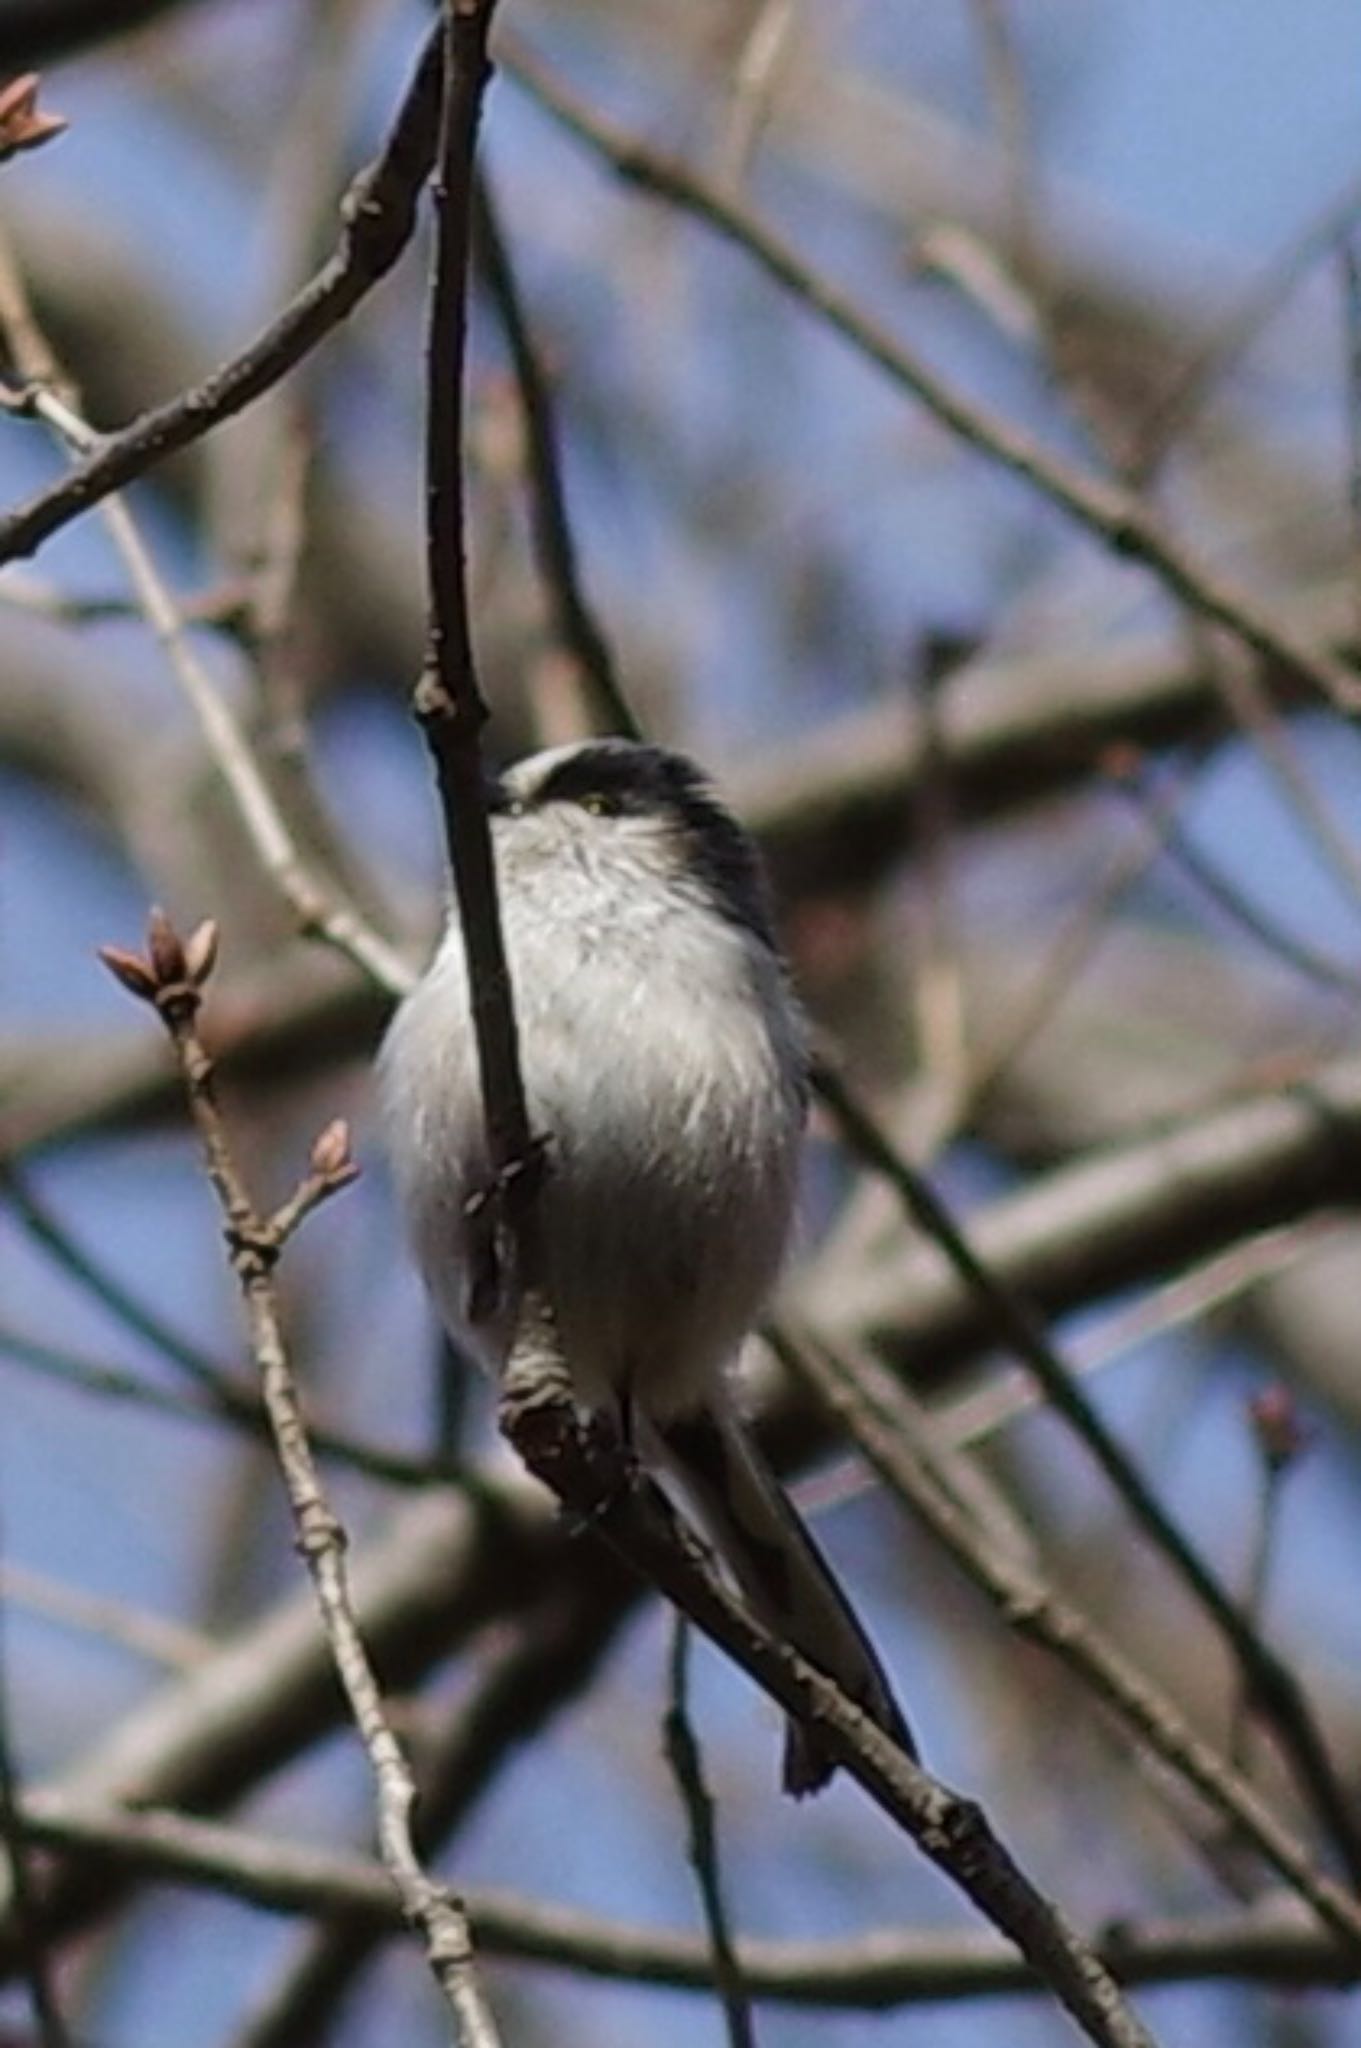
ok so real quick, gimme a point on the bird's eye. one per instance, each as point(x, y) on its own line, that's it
point(598, 806)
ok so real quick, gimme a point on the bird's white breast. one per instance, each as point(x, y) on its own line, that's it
point(662, 1058)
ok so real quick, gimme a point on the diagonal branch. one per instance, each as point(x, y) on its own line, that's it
point(588, 1471)
point(574, 622)
point(1117, 518)
point(882, 1420)
point(379, 217)
point(1273, 1687)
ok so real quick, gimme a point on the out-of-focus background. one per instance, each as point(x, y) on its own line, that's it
point(1070, 874)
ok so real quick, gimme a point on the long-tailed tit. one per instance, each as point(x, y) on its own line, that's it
point(665, 1064)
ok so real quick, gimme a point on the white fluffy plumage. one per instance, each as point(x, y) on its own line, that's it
point(664, 1061)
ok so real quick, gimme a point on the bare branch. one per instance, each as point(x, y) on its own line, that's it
point(584, 1467)
point(574, 621)
point(879, 1416)
point(1270, 1944)
point(380, 215)
point(30, 1934)
point(697, 1802)
point(1117, 518)
point(1274, 1689)
point(546, 1657)
point(177, 971)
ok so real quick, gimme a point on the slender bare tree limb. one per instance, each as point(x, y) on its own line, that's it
point(30, 1934)
point(448, 700)
point(224, 1397)
point(548, 1656)
point(1118, 519)
point(879, 1417)
point(1194, 379)
point(320, 911)
point(1273, 1687)
point(683, 1754)
point(1270, 1943)
point(222, 1400)
point(379, 217)
point(1159, 812)
point(584, 1466)
point(1121, 1215)
point(575, 624)
point(171, 978)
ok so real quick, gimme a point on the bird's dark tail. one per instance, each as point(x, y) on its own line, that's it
point(784, 1575)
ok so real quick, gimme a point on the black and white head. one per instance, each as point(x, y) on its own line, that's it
point(606, 797)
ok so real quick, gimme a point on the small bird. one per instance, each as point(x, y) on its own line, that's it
point(665, 1064)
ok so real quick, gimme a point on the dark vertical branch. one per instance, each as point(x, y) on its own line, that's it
point(687, 1768)
point(29, 1933)
point(574, 623)
point(448, 701)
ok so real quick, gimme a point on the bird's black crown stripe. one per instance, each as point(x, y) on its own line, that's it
point(635, 780)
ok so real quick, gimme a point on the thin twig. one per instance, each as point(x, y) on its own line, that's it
point(1250, 704)
point(448, 700)
point(687, 1768)
point(1072, 945)
point(378, 218)
point(1158, 810)
point(224, 1399)
point(755, 81)
point(427, 1586)
point(938, 982)
point(1194, 379)
point(320, 911)
point(1010, 115)
point(47, 2017)
point(1273, 1943)
point(1119, 519)
point(575, 624)
point(1188, 1298)
point(227, 1398)
point(540, 1663)
point(1275, 1690)
point(131, 1629)
point(171, 977)
point(103, 1286)
point(881, 1419)
point(1279, 1439)
point(585, 1468)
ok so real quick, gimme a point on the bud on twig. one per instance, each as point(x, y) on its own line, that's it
point(173, 969)
point(200, 952)
point(165, 947)
point(331, 1153)
point(132, 970)
point(1281, 1435)
point(21, 125)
